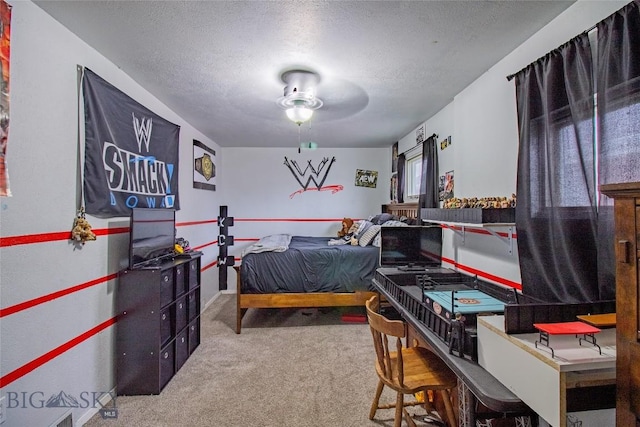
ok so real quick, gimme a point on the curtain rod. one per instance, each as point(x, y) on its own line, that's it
point(629, 5)
point(511, 76)
point(415, 147)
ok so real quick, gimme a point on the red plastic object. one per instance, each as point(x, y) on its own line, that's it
point(566, 328)
point(354, 318)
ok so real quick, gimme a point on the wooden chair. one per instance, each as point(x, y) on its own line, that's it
point(406, 370)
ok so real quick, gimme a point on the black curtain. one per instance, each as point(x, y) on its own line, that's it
point(401, 177)
point(556, 214)
point(618, 88)
point(429, 178)
point(565, 227)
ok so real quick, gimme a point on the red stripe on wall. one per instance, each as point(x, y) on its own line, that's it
point(197, 248)
point(486, 275)
point(47, 357)
point(28, 239)
point(288, 219)
point(34, 238)
point(107, 231)
point(187, 223)
point(470, 229)
point(208, 266)
point(46, 298)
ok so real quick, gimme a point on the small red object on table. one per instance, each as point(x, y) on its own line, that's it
point(566, 328)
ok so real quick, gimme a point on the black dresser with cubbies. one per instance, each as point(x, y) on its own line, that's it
point(158, 325)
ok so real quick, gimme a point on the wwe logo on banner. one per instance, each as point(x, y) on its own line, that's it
point(310, 172)
point(142, 130)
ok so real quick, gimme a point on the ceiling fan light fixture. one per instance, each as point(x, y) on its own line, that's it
point(299, 114)
point(299, 100)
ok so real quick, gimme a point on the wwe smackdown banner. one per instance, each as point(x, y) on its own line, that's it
point(131, 154)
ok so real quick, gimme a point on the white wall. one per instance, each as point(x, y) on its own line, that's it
point(264, 197)
point(42, 158)
point(482, 123)
point(254, 183)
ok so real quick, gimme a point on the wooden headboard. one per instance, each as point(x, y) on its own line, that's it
point(410, 210)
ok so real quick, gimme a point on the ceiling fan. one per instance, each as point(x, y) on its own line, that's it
point(300, 100)
point(340, 99)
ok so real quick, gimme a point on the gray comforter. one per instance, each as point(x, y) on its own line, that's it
point(310, 264)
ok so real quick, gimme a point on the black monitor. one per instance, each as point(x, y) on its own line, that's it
point(431, 245)
point(411, 246)
point(152, 235)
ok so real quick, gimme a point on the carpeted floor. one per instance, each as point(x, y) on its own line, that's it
point(288, 367)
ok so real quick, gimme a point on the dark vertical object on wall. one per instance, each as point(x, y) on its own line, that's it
point(429, 177)
point(556, 214)
point(224, 240)
point(401, 177)
point(565, 231)
point(131, 154)
point(618, 86)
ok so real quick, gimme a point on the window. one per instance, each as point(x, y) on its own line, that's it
point(413, 172)
point(620, 132)
point(558, 165)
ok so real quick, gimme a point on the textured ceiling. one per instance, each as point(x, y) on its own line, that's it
point(385, 66)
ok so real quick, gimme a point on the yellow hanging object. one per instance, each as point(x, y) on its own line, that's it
point(81, 231)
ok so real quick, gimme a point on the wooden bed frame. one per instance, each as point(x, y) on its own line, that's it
point(315, 299)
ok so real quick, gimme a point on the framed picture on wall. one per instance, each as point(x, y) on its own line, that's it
point(420, 135)
point(366, 178)
point(448, 185)
point(393, 193)
point(204, 167)
point(394, 158)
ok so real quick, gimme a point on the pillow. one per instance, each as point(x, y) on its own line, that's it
point(394, 223)
point(381, 218)
point(364, 226)
point(376, 241)
point(369, 234)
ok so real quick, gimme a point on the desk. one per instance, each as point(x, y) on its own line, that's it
point(482, 385)
point(607, 320)
point(540, 380)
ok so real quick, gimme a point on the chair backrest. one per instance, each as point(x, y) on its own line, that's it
point(388, 361)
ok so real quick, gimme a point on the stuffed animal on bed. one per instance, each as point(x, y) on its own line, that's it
point(357, 231)
point(346, 225)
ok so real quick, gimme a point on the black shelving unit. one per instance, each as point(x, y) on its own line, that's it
point(158, 325)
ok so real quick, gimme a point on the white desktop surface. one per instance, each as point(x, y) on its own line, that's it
point(537, 378)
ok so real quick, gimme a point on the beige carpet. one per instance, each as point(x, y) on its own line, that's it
point(288, 368)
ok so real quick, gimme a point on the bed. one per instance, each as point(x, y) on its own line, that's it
point(309, 273)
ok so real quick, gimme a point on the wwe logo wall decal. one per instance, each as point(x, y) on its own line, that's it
point(310, 173)
point(142, 130)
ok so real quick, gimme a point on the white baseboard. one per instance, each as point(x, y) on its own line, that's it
point(104, 400)
point(215, 297)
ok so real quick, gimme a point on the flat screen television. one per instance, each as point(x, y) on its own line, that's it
point(411, 246)
point(431, 245)
point(152, 235)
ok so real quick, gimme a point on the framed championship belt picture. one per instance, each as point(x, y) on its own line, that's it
point(204, 167)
